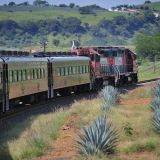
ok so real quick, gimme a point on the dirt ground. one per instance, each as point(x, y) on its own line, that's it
point(64, 147)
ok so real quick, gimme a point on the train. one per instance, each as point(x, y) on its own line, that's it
point(111, 65)
point(44, 75)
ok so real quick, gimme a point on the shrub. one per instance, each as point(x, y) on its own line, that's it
point(110, 96)
point(128, 130)
point(98, 138)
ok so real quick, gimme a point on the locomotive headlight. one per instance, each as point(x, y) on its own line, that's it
point(20, 102)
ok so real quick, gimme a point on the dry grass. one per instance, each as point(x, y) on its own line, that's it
point(31, 139)
point(141, 92)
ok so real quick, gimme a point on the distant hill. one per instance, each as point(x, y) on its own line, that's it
point(153, 6)
point(29, 26)
point(31, 13)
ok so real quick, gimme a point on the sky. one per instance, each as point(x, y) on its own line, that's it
point(102, 3)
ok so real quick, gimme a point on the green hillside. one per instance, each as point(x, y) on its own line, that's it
point(29, 26)
point(20, 14)
point(153, 6)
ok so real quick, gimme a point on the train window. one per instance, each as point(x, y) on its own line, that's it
point(129, 55)
point(80, 69)
point(88, 69)
point(66, 71)
point(108, 53)
point(14, 76)
point(92, 57)
point(58, 71)
point(28, 75)
point(38, 73)
point(11, 76)
point(114, 53)
point(62, 71)
point(84, 69)
point(70, 70)
point(74, 69)
point(97, 58)
point(31, 74)
point(43, 70)
point(34, 74)
point(17, 78)
point(40, 76)
point(19, 75)
point(23, 75)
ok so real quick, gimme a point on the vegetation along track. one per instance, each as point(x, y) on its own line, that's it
point(23, 112)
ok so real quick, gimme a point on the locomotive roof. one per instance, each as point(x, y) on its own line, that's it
point(77, 58)
point(24, 59)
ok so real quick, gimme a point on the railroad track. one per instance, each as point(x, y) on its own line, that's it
point(51, 105)
point(45, 107)
point(146, 81)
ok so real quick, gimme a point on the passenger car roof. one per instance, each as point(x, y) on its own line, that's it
point(24, 59)
point(44, 59)
point(77, 58)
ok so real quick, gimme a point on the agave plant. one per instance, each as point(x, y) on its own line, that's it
point(110, 96)
point(99, 137)
point(156, 121)
point(105, 107)
point(156, 90)
point(155, 104)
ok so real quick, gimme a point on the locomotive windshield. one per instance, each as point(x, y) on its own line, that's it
point(108, 53)
point(95, 57)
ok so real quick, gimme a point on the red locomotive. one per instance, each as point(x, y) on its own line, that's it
point(111, 65)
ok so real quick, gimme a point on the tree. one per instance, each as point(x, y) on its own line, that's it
point(147, 2)
point(56, 42)
point(63, 5)
point(11, 4)
point(23, 4)
point(147, 45)
point(40, 3)
point(86, 10)
point(72, 25)
point(71, 5)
